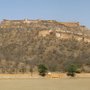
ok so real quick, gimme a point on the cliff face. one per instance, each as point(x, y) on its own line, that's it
point(24, 44)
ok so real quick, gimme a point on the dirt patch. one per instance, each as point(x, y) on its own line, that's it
point(46, 84)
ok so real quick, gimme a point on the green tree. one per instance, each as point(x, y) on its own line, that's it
point(42, 70)
point(71, 70)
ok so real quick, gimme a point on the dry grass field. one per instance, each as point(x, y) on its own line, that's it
point(45, 84)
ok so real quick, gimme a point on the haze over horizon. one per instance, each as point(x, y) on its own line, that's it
point(60, 10)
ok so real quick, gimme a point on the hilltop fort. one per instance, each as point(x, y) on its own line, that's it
point(63, 30)
point(24, 44)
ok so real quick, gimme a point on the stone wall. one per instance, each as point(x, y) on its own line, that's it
point(71, 24)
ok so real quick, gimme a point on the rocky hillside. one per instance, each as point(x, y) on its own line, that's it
point(24, 44)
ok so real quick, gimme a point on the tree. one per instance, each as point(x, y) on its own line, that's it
point(31, 70)
point(42, 70)
point(71, 70)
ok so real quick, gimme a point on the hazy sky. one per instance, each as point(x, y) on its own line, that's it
point(60, 10)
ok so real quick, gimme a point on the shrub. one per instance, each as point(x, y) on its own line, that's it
point(42, 70)
point(71, 70)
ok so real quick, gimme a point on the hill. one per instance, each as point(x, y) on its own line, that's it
point(24, 44)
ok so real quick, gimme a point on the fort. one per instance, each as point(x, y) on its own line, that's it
point(68, 24)
point(63, 30)
point(71, 24)
point(5, 21)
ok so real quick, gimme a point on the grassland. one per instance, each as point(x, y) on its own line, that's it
point(45, 84)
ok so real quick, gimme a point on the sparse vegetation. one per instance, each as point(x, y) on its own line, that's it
point(22, 49)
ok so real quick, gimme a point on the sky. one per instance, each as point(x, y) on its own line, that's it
point(60, 10)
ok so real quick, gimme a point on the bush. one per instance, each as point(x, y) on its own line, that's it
point(71, 70)
point(42, 70)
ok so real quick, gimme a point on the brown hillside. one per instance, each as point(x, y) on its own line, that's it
point(24, 44)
